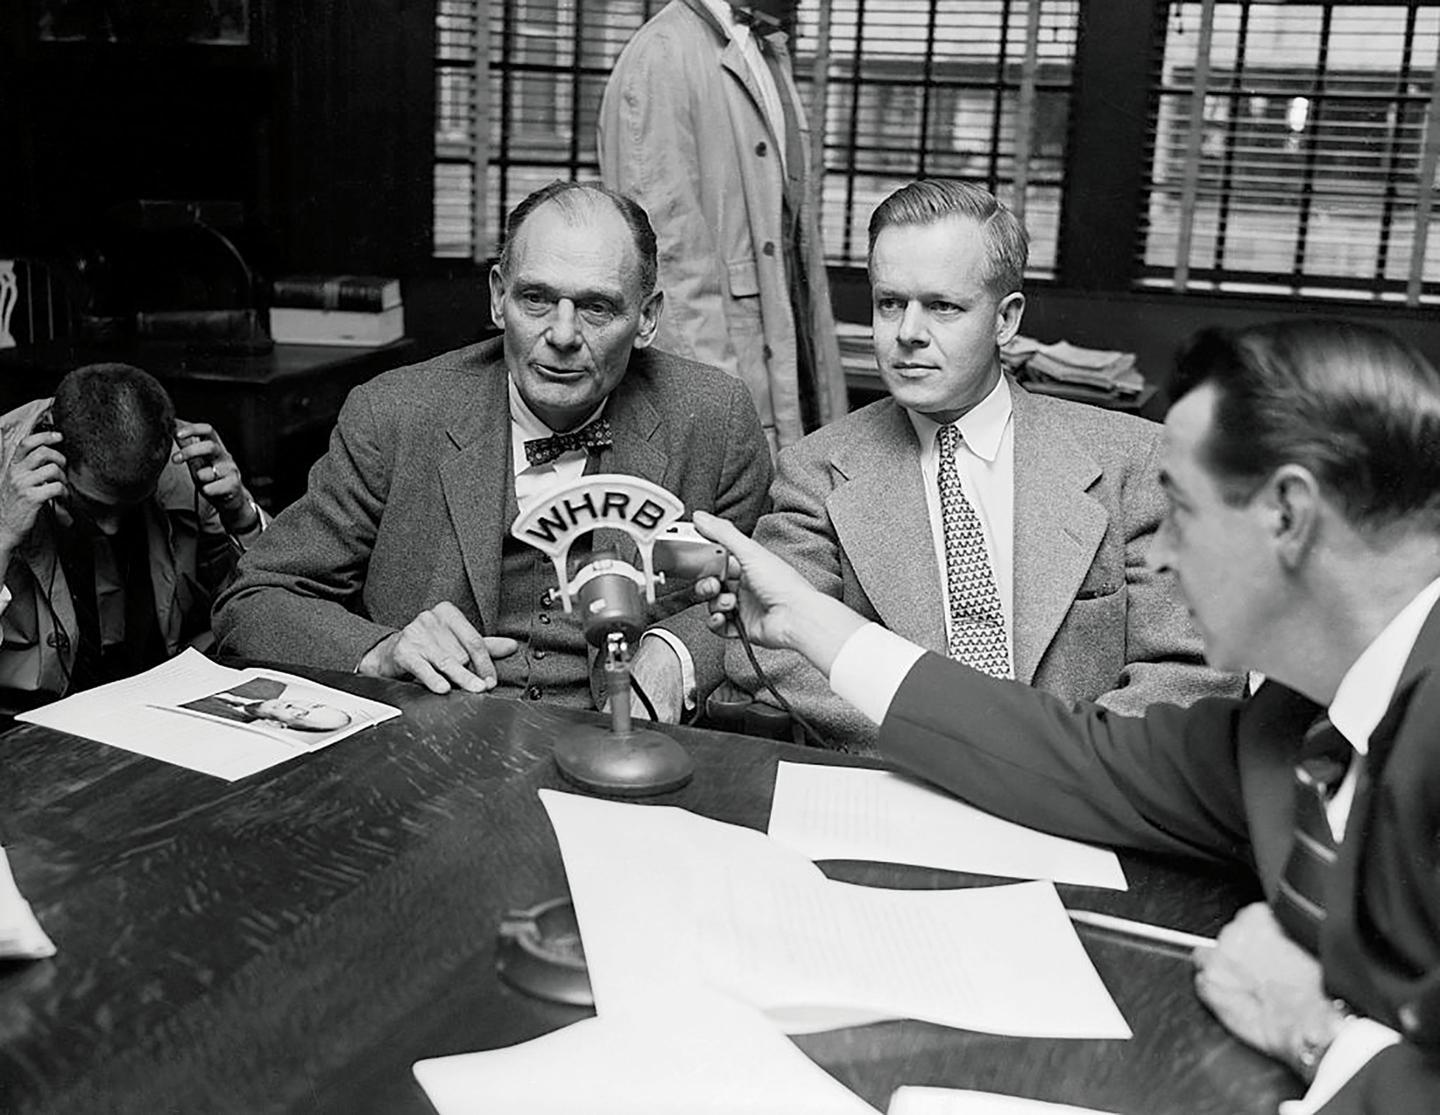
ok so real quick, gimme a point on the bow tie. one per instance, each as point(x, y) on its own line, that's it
point(760, 24)
point(543, 450)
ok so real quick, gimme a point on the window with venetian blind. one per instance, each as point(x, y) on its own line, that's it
point(977, 89)
point(1294, 150)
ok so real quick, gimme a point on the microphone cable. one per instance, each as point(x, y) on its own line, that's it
point(644, 698)
point(811, 736)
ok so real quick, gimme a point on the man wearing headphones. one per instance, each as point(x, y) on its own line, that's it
point(118, 525)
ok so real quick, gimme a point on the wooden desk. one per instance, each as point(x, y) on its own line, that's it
point(296, 940)
point(274, 409)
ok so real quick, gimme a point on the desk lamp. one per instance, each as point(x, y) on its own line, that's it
point(620, 760)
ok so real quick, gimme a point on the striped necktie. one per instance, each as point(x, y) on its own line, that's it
point(977, 622)
point(1300, 897)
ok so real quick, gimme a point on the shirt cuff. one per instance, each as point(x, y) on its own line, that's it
point(687, 664)
point(870, 667)
point(1359, 1039)
point(243, 538)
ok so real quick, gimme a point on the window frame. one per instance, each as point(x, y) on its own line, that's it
point(1103, 208)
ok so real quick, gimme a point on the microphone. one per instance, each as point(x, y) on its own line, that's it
point(622, 760)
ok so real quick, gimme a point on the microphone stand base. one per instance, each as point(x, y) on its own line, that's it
point(635, 764)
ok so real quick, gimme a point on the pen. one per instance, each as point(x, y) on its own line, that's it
point(1141, 929)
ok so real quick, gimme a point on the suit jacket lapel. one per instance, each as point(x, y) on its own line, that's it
point(1058, 526)
point(883, 525)
point(1382, 742)
point(479, 483)
point(1272, 725)
point(732, 60)
point(1425, 652)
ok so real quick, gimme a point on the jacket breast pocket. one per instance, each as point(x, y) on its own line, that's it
point(1094, 635)
point(744, 277)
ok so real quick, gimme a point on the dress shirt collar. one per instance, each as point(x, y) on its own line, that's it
point(528, 424)
point(1369, 685)
point(982, 426)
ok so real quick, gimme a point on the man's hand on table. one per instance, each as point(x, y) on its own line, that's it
point(1267, 990)
point(441, 649)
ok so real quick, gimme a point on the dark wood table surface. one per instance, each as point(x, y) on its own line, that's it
point(294, 941)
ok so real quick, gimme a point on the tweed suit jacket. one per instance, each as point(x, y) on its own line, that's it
point(1216, 781)
point(1090, 621)
point(412, 501)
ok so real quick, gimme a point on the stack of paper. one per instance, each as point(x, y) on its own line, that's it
point(852, 813)
point(21, 937)
point(197, 714)
point(667, 899)
point(702, 938)
point(954, 1101)
point(1063, 362)
point(685, 1049)
point(1015, 353)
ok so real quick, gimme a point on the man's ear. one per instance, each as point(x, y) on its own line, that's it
point(497, 297)
point(1295, 503)
point(650, 311)
point(1008, 315)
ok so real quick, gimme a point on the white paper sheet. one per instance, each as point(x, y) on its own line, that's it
point(21, 936)
point(140, 714)
point(911, 1100)
point(827, 812)
point(665, 898)
point(689, 1050)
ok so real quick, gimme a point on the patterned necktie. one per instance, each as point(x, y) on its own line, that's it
point(1300, 896)
point(543, 450)
point(977, 623)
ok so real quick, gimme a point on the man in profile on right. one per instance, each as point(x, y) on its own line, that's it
point(1302, 470)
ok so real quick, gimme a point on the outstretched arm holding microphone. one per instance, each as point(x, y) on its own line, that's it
point(776, 606)
point(1298, 561)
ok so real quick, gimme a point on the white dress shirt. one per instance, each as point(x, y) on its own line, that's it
point(985, 460)
point(534, 482)
point(759, 70)
point(874, 661)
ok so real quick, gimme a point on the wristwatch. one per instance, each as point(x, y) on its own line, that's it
point(240, 539)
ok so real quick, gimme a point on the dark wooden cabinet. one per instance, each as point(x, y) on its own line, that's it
point(274, 409)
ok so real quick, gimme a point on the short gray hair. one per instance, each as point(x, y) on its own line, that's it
point(570, 197)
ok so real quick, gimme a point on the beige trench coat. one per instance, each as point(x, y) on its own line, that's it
point(682, 131)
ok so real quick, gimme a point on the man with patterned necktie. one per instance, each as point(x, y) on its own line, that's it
point(1302, 468)
point(398, 561)
point(1005, 529)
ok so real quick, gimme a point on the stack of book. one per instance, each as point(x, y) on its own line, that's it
point(361, 310)
point(857, 350)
